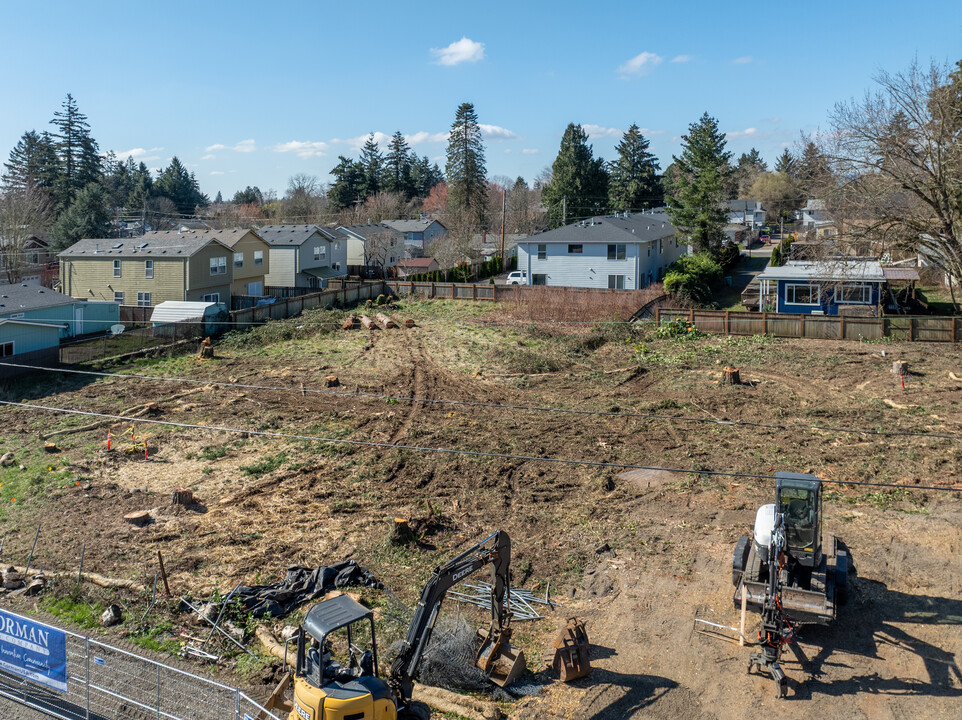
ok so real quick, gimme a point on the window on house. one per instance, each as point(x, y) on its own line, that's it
point(853, 293)
point(537, 279)
point(801, 294)
point(258, 257)
point(148, 269)
point(16, 316)
point(575, 249)
point(116, 268)
point(238, 260)
point(337, 246)
point(320, 252)
point(6, 349)
point(649, 249)
point(542, 251)
point(661, 246)
point(616, 282)
point(213, 297)
point(336, 266)
point(218, 266)
point(119, 297)
point(616, 252)
point(143, 299)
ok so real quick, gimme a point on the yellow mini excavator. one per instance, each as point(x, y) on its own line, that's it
point(324, 689)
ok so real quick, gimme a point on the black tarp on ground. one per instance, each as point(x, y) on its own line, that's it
point(302, 585)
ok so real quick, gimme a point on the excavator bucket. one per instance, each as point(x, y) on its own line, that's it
point(569, 653)
point(498, 660)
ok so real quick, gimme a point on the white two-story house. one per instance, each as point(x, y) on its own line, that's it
point(620, 252)
point(304, 256)
point(749, 213)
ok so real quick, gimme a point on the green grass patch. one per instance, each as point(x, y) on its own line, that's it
point(265, 465)
point(73, 609)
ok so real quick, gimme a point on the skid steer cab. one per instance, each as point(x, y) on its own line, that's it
point(336, 669)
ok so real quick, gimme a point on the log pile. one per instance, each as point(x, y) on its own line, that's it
point(367, 322)
point(386, 321)
point(350, 323)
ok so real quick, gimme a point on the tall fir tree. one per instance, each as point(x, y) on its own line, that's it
point(87, 217)
point(579, 181)
point(180, 187)
point(372, 161)
point(219, 198)
point(697, 199)
point(424, 175)
point(633, 183)
point(467, 182)
point(33, 163)
point(785, 163)
point(812, 171)
point(750, 166)
point(78, 152)
point(397, 167)
point(348, 186)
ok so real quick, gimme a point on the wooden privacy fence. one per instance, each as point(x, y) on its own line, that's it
point(288, 307)
point(452, 291)
point(919, 328)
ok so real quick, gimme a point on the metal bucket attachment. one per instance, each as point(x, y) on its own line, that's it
point(498, 660)
point(569, 653)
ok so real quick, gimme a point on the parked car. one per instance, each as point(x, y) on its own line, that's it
point(518, 277)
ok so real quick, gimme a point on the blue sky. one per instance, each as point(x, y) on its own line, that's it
point(251, 93)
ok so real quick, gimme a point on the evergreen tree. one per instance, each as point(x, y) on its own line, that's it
point(372, 162)
point(424, 176)
point(579, 181)
point(633, 184)
point(218, 199)
point(812, 171)
point(248, 195)
point(181, 187)
point(87, 217)
point(467, 182)
point(142, 185)
point(697, 200)
point(750, 166)
point(348, 184)
point(77, 151)
point(33, 163)
point(397, 167)
point(785, 163)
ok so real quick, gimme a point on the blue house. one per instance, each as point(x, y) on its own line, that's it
point(824, 287)
point(35, 303)
point(28, 343)
point(616, 252)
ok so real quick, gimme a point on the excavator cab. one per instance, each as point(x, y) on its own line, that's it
point(798, 498)
point(334, 680)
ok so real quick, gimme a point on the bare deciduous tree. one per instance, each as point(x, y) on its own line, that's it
point(898, 153)
point(24, 212)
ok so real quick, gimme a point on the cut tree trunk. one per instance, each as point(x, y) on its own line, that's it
point(182, 496)
point(386, 322)
point(900, 368)
point(730, 376)
point(409, 323)
point(332, 381)
point(367, 322)
point(401, 533)
point(350, 323)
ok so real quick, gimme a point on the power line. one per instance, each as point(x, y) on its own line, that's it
point(500, 406)
point(454, 451)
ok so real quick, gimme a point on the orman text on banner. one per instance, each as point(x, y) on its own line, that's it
point(33, 650)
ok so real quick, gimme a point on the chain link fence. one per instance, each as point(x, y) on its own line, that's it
point(107, 683)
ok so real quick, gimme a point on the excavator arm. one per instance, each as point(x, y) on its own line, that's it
point(494, 550)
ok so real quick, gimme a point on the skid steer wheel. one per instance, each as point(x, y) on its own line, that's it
point(415, 711)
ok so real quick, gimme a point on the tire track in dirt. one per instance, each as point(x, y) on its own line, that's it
point(418, 387)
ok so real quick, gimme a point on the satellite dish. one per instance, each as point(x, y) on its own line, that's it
point(117, 329)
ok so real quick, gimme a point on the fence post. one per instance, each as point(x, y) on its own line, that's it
point(691, 316)
point(237, 704)
point(87, 675)
point(764, 323)
point(801, 326)
point(841, 327)
point(727, 321)
point(158, 688)
point(954, 328)
point(657, 317)
point(911, 329)
point(474, 292)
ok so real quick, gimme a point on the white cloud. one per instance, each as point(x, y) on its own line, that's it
point(682, 58)
point(216, 172)
point(774, 120)
point(596, 131)
point(747, 132)
point(421, 137)
point(640, 64)
point(464, 50)
point(356, 143)
point(530, 151)
point(304, 149)
point(208, 157)
point(244, 146)
point(140, 154)
point(744, 60)
point(494, 132)
point(507, 150)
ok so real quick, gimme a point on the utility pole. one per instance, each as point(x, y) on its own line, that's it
point(564, 210)
point(502, 229)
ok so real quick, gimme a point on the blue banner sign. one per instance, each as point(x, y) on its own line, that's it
point(33, 650)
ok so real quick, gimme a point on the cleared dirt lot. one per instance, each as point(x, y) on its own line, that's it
point(268, 502)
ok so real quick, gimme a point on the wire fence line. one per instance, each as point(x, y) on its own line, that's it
point(105, 682)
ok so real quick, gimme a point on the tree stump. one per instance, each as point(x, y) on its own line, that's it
point(182, 496)
point(50, 447)
point(409, 323)
point(332, 381)
point(367, 322)
point(900, 368)
point(138, 518)
point(350, 323)
point(730, 376)
point(206, 349)
point(401, 533)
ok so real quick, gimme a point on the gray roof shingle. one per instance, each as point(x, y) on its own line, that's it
point(284, 235)
point(640, 228)
point(30, 296)
point(163, 243)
